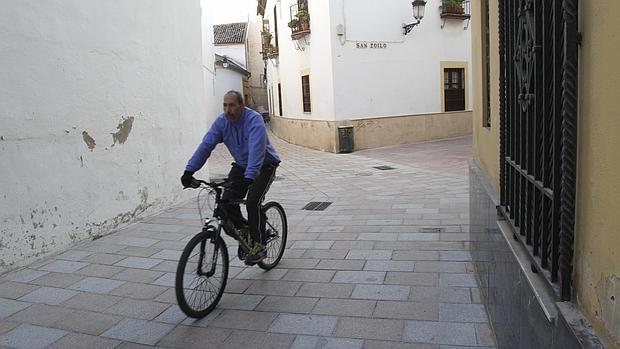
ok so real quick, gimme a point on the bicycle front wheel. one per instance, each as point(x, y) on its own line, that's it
point(201, 275)
point(276, 229)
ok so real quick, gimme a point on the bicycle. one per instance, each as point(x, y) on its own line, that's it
point(202, 275)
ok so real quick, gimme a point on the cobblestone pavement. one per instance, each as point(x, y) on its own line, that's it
point(386, 265)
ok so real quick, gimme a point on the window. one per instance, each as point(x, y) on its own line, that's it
point(280, 97)
point(275, 24)
point(303, 5)
point(305, 91)
point(486, 87)
point(454, 89)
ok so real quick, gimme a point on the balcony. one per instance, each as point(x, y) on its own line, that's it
point(300, 20)
point(455, 9)
point(269, 51)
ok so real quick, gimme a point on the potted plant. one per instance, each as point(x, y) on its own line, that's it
point(266, 38)
point(294, 24)
point(453, 6)
point(304, 19)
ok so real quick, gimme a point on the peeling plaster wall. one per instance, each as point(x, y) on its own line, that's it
point(101, 104)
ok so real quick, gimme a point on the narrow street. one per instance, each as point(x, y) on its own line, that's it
point(386, 265)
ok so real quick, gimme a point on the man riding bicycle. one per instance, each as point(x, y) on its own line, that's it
point(255, 161)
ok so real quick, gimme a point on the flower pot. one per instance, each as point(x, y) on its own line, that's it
point(456, 10)
point(304, 25)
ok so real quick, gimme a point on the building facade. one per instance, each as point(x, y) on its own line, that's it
point(231, 58)
point(349, 63)
point(102, 104)
point(544, 179)
point(256, 65)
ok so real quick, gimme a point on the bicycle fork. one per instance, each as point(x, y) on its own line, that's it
point(216, 246)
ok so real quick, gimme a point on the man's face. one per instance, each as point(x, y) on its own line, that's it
point(232, 107)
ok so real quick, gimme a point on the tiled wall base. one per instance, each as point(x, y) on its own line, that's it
point(522, 310)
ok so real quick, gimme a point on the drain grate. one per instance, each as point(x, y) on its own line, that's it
point(432, 230)
point(384, 168)
point(317, 205)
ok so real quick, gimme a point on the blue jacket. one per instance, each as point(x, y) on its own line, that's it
point(246, 139)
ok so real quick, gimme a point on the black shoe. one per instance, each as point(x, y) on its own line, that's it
point(257, 253)
point(241, 253)
point(244, 233)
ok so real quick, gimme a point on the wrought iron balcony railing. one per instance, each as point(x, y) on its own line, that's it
point(457, 9)
point(300, 20)
point(268, 49)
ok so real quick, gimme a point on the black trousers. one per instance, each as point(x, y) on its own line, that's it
point(256, 194)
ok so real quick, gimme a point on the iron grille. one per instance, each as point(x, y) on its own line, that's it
point(384, 168)
point(316, 205)
point(432, 230)
point(538, 91)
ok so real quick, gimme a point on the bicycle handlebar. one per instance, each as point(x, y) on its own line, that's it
point(197, 183)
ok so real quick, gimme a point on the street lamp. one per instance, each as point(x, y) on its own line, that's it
point(418, 14)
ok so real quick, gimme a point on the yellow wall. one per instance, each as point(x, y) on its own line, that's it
point(597, 231)
point(373, 132)
point(320, 135)
point(485, 141)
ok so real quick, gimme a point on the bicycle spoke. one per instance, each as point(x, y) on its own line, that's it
point(200, 291)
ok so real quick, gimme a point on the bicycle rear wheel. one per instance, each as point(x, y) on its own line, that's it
point(201, 274)
point(277, 229)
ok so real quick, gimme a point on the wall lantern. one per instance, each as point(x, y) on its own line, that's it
point(225, 62)
point(418, 14)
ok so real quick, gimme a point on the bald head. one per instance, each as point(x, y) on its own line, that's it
point(233, 105)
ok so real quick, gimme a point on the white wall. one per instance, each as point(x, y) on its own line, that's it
point(213, 107)
point(73, 70)
point(316, 57)
point(225, 81)
point(236, 52)
point(351, 83)
point(232, 11)
point(403, 78)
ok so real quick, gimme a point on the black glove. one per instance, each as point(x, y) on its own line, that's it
point(245, 184)
point(248, 182)
point(187, 179)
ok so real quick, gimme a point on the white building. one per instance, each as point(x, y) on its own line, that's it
point(238, 62)
point(102, 103)
point(231, 58)
point(355, 66)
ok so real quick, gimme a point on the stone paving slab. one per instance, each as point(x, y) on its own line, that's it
point(386, 265)
point(138, 331)
point(31, 337)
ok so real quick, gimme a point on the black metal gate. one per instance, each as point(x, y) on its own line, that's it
point(538, 130)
